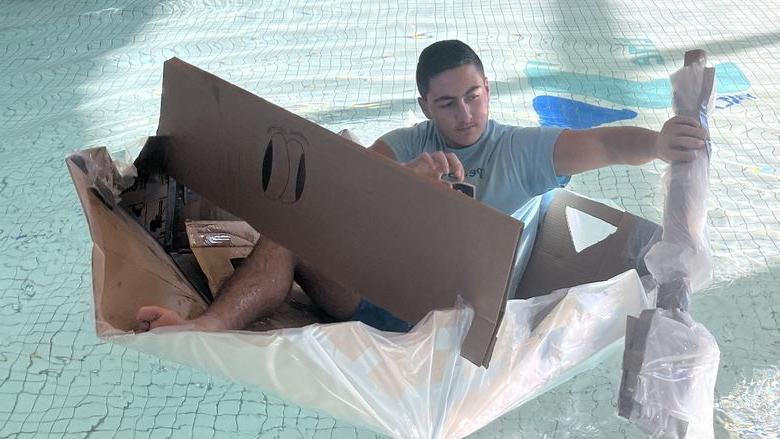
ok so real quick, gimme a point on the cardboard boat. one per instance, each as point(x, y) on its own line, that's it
point(473, 354)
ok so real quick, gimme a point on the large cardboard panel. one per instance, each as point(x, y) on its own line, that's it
point(555, 263)
point(408, 244)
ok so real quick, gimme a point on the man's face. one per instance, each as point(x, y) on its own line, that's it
point(457, 102)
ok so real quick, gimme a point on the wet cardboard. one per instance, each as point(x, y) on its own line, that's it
point(407, 244)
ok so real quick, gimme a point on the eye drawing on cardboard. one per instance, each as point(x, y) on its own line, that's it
point(283, 167)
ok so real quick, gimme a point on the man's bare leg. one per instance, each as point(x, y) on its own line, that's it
point(256, 289)
point(335, 299)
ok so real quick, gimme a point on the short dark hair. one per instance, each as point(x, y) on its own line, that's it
point(442, 56)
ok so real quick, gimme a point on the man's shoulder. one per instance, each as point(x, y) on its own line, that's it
point(512, 134)
point(503, 133)
point(421, 126)
point(503, 128)
point(419, 129)
point(408, 142)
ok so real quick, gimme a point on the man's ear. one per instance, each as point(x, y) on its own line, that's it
point(487, 86)
point(424, 107)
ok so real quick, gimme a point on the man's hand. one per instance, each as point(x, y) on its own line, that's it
point(679, 139)
point(437, 164)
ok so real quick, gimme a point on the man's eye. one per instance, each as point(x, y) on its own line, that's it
point(472, 97)
point(449, 104)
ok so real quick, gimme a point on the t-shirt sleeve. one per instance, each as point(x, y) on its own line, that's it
point(531, 153)
point(404, 142)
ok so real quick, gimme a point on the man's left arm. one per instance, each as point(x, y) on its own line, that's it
point(579, 151)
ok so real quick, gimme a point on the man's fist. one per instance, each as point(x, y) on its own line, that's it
point(680, 139)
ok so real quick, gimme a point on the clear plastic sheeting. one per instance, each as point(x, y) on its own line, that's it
point(416, 385)
point(404, 385)
point(110, 177)
point(677, 360)
point(670, 362)
point(84, 73)
point(684, 251)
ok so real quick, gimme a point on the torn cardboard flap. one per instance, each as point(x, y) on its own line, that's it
point(408, 245)
point(129, 267)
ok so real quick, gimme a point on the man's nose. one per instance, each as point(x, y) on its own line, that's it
point(464, 112)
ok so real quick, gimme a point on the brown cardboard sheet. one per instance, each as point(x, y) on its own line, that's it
point(129, 267)
point(407, 244)
point(555, 263)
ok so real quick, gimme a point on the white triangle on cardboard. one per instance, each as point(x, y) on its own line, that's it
point(586, 230)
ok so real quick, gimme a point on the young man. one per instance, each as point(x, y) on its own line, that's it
point(507, 165)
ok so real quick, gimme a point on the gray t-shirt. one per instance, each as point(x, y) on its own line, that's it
point(508, 165)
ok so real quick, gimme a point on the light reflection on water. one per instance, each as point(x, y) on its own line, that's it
point(752, 408)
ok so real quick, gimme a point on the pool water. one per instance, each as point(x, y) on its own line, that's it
point(86, 73)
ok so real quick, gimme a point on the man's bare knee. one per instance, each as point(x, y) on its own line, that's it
point(270, 250)
point(334, 298)
point(257, 288)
